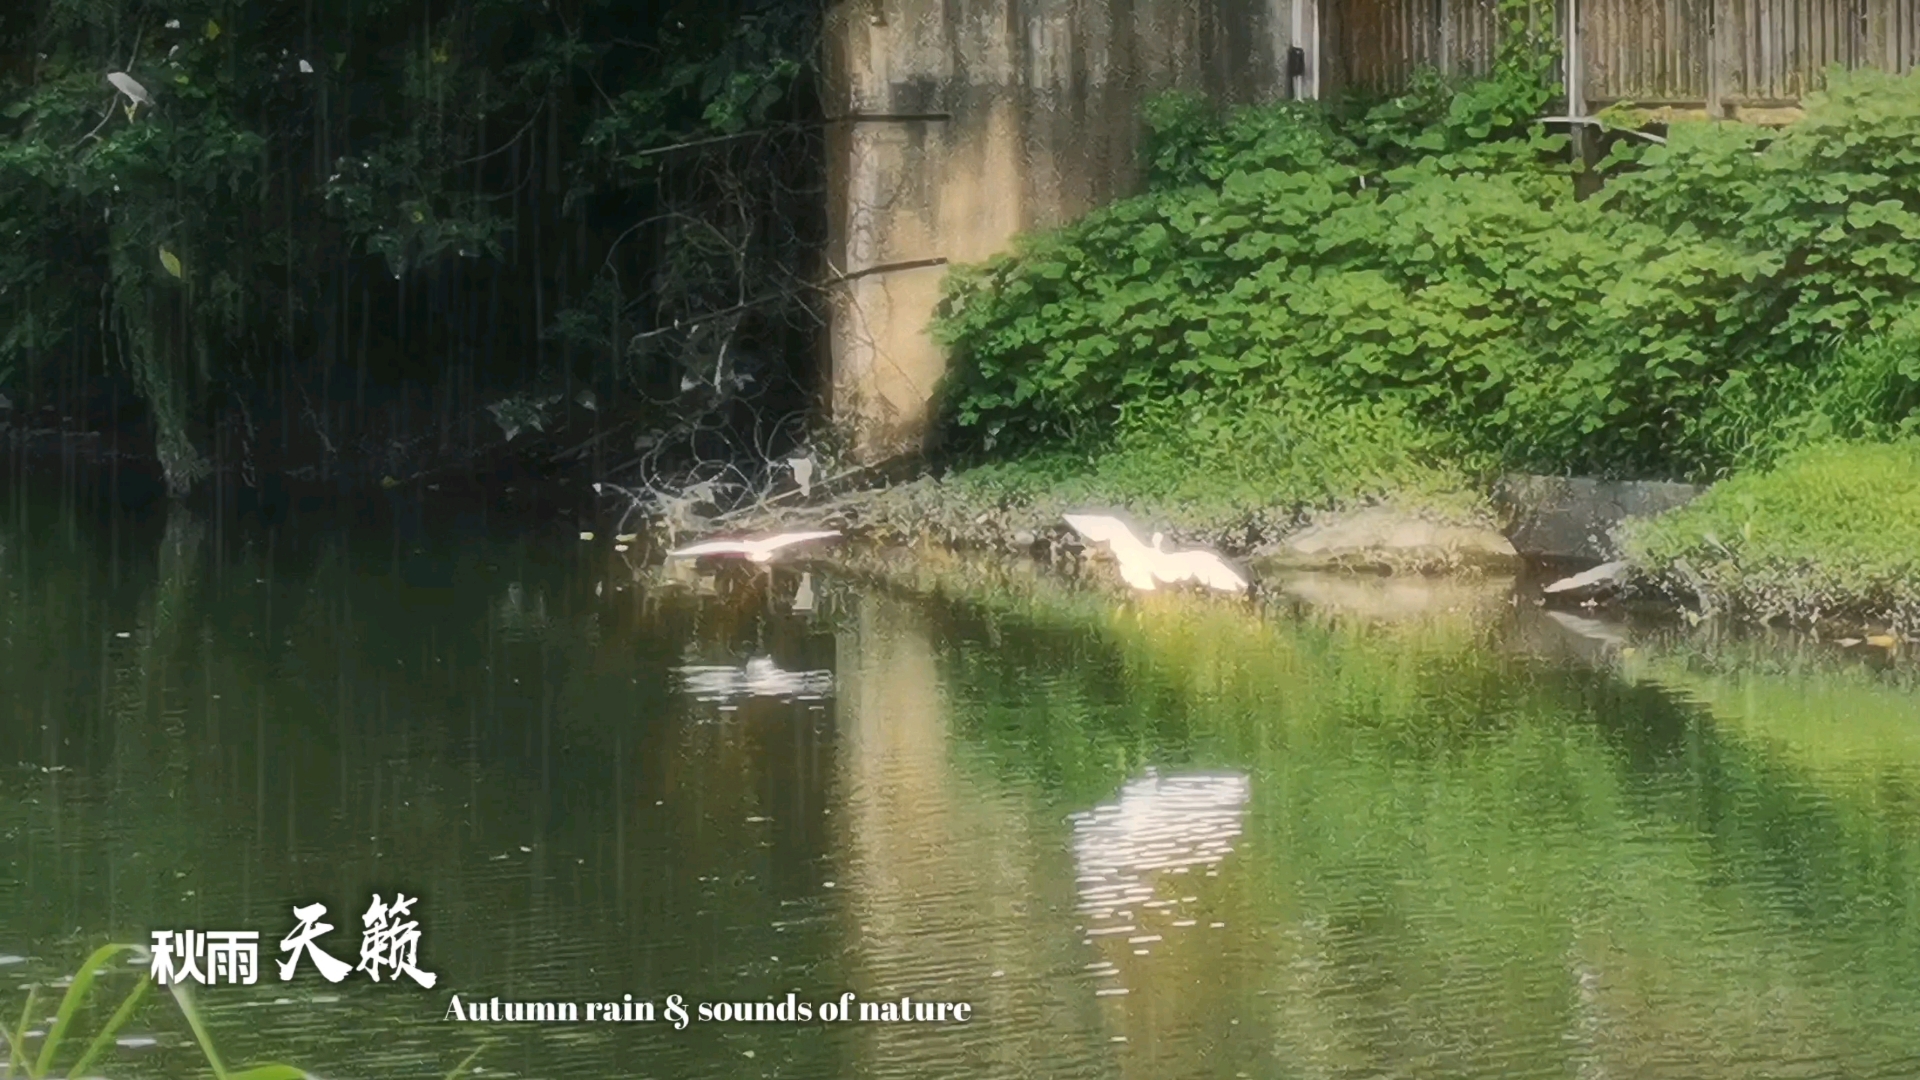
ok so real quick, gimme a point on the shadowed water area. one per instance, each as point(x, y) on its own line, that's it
point(1166, 839)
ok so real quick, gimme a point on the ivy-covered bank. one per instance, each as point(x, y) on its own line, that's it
point(1314, 307)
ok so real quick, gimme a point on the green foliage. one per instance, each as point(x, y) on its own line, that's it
point(1188, 142)
point(1731, 291)
point(131, 185)
point(1865, 390)
point(1830, 531)
point(462, 146)
point(42, 1065)
point(72, 1003)
point(1214, 469)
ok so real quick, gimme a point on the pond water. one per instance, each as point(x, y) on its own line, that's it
point(1152, 840)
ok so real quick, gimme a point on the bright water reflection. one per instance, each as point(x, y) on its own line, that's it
point(1303, 848)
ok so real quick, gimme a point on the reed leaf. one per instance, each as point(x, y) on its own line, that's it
point(460, 1070)
point(17, 1038)
point(192, 1013)
point(39, 1068)
point(70, 1004)
point(272, 1070)
point(114, 1023)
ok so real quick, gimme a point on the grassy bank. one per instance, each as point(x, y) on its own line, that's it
point(1313, 308)
point(1830, 533)
point(1239, 478)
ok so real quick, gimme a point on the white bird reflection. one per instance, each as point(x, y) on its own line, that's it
point(760, 677)
point(1165, 824)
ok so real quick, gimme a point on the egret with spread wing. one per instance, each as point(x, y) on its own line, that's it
point(1146, 566)
point(1196, 564)
point(759, 549)
point(1135, 558)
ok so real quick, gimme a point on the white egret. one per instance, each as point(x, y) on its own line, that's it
point(1149, 565)
point(136, 94)
point(760, 549)
point(129, 86)
point(802, 474)
point(803, 596)
point(1197, 564)
point(1600, 577)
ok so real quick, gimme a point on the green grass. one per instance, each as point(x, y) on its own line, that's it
point(1864, 390)
point(20, 1062)
point(1218, 469)
point(1830, 532)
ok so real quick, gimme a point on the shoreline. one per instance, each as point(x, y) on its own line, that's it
point(914, 510)
point(931, 514)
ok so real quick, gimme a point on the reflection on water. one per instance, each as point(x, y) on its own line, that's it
point(1171, 825)
point(1159, 841)
point(759, 677)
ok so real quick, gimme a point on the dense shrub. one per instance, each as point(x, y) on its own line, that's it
point(1431, 254)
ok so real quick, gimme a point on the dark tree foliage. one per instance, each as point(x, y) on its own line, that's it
point(347, 235)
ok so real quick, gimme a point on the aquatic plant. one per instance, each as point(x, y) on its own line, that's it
point(43, 1064)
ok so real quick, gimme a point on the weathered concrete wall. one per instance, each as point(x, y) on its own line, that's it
point(1041, 101)
point(1555, 517)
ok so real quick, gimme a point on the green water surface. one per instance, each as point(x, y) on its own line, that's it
point(1343, 848)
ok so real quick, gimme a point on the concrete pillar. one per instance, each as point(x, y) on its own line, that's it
point(960, 123)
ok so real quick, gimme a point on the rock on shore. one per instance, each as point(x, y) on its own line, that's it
point(1382, 538)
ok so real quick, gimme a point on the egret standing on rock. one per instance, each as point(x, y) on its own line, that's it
point(1147, 566)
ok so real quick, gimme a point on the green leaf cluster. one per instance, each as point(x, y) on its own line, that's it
point(1429, 252)
point(316, 174)
point(74, 1004)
